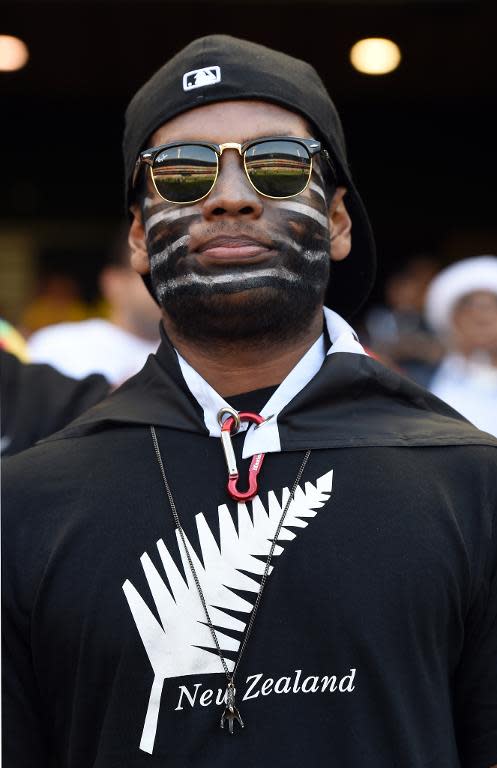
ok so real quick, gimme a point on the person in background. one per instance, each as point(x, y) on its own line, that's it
point(397, 332)
point(461, 307)
point(116, 347)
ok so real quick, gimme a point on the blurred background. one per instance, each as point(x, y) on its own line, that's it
point(421, 137)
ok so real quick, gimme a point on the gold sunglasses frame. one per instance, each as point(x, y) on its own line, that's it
point(147, 157)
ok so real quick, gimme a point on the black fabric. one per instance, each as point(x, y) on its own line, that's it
point(376, 639)
point(37, 400)
point(252, 71)
point(253, 401)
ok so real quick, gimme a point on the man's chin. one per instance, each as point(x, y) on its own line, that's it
point(246, 296)
point(226, 307)
point(218, 299)
point(253, 316)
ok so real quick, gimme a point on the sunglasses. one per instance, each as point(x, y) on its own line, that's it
point(186, 171)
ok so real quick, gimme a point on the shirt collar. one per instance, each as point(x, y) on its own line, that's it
point(266, 438)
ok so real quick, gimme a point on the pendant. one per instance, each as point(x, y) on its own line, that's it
point(231, 713)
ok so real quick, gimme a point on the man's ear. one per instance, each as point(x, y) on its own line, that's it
point(340, 226)
point(137, 243)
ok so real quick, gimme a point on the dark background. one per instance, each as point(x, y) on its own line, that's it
point(422, 140)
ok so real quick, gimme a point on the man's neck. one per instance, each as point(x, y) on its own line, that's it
point(233, 368)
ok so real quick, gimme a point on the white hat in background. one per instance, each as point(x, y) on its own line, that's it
point(478, 273)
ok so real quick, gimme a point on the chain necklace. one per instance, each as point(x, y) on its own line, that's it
point(230, 713)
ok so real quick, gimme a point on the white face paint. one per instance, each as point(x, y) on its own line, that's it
point(316, 171)
point(314, 255)
point(290, 243)
point(233, 280)
point(317, 188)
point(166, 217)
point(167, 252)
point(305, 210)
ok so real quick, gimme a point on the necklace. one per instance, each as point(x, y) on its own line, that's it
point(230, 713)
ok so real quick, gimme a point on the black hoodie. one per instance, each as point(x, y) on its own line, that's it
point(375, 643)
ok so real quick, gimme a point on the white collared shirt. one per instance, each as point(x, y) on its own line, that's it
point(266, 438)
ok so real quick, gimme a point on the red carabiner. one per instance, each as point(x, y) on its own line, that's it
point(255, 464)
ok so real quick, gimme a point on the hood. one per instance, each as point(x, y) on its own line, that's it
point(349, 401)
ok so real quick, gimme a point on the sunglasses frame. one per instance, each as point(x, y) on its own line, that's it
point(147, 157)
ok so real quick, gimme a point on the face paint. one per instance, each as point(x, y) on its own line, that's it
point(166, 217)
point(275, 298)
point(305, 210)
point(166, 230)
point(317, 188)
point(166, 253)
point(228, 283)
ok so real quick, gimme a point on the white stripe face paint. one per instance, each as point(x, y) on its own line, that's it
point(317, 188)
point(235, 279)
point(167, 252)
point(305, 210)
point(317, 171)
point(166, 217)
point(290, 243)
point(314, 255)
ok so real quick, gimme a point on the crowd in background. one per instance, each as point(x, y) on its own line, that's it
point(438, 326)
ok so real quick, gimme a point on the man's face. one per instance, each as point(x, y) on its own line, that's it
point(237, 265)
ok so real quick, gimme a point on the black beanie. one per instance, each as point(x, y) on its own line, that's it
point(224, 68)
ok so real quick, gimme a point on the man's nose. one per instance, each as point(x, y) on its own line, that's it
point(233, 194)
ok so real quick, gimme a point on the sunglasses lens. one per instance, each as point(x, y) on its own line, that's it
point(185, 173)
point(278, 168)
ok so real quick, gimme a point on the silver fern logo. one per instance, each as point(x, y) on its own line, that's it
point(179, 644)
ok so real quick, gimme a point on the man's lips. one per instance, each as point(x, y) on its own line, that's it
point(233, 249)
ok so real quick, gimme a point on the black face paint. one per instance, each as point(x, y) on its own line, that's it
point(269, 301)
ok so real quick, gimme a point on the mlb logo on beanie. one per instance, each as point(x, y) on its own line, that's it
point(197, 78)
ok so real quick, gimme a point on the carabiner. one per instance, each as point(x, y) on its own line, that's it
point(255, 464)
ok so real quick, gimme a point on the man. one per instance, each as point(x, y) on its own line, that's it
point(334, 603)
point(116, 347)
point(461, 307)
